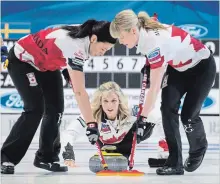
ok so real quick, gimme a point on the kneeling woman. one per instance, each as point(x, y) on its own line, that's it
point(111, 111)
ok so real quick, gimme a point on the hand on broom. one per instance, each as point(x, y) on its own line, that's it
point(144, 128)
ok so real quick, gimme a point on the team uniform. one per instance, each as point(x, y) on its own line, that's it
point(190, 70)
point(114, 133)
point(35, 62)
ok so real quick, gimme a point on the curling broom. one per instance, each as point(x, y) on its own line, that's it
point(131, 172)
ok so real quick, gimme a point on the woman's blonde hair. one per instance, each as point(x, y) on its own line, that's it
point(127, 19)
point(123, 110)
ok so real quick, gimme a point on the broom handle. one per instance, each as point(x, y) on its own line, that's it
point(104, 164)
point(141, 101)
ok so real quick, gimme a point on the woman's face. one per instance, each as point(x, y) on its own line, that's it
point(129, 38)
point(98, 48)
point(110, 104)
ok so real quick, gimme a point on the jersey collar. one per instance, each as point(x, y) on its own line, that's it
point(142, 41)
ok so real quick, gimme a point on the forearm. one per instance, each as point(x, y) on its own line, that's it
point(75, 130)
point(156, 76)
point(82, 99)
point(150, 101)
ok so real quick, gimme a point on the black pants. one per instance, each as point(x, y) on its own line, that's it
point(196, 84)
point(42, 94)
point(124, 147)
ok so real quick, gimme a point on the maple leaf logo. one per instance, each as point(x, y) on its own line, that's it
point(197, 45)
point(178, 32)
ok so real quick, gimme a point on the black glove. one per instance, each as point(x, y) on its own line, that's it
point(146, 69)
point(134, 128)
point(68, 154)
point(144, 129)
point(92, 132)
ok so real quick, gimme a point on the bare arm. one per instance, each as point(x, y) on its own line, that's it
point(82, 98)
point(156, 76)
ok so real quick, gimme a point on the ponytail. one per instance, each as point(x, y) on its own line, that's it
point(147, 22)
point(90, 27)
point(81, 31)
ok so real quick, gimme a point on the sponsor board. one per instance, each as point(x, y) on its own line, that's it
point(6, 81)
point(12, 103)
point(195, 30)
point(211, 125)
point(209, 102)
point(8, 120)
point(116, 64)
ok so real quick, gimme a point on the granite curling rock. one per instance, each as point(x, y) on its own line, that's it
point(115, 161)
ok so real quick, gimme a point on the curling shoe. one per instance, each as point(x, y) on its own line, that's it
point(7, 168)
point(50, 166)
point(192, 163)
point(166, 170)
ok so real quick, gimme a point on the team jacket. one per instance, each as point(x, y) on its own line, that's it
point(52, 49)
point(173, 46)
point(111, 132)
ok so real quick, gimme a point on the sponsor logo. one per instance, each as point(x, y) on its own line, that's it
point(105, 128)
point(206, 104)
point(188, 128)
point(195, 30)
point(5, 80)
point(32, 79)
point(165, 81)
point(12, 101)
point(154, 54)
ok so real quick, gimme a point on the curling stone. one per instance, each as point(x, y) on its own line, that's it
point(115, 161)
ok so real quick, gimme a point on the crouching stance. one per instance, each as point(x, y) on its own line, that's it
point(115, 124)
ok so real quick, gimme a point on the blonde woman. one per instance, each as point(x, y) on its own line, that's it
point(191, 69)
point(111, 111)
